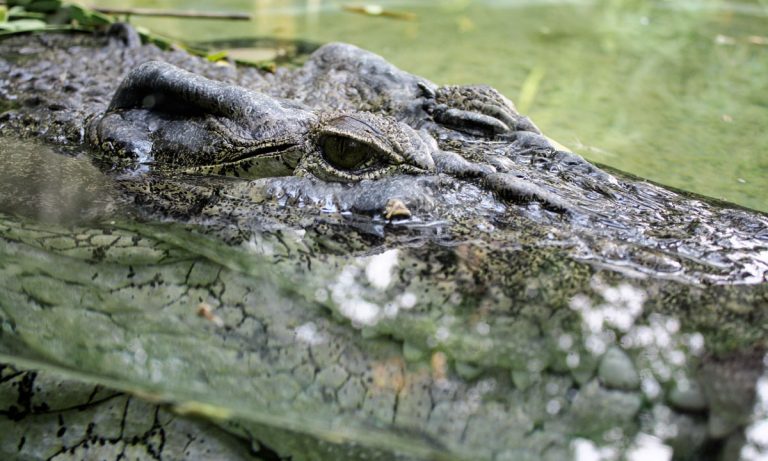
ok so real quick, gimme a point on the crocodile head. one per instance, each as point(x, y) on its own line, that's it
point(350, 138)
point(167, 120)
point(413, 152)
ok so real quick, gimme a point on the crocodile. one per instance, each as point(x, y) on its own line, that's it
point(346, 261)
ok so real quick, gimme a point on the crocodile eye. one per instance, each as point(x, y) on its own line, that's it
point(358, 146)
point(347, 154)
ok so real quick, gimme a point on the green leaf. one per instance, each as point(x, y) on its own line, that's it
point(23, 25)
point(20, 13)
point(78, 13)
point(44, 6)
point(217, 56)
point(164, 43)
point(87, 17)
point(3, 13)
point(16, 11)
point(100, 19)
point(18, 3)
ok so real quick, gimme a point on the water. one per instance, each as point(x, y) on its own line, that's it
point(672, 92)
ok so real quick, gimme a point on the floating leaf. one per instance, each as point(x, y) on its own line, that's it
point(377, 10)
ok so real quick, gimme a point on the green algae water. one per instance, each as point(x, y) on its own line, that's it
point(672, 92)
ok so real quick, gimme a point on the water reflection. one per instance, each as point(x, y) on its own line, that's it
point(50, 187)
point(756, 446)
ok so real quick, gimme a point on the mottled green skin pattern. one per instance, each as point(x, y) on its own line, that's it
point(263, 309)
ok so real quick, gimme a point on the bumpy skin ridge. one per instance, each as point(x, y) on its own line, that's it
point(266, 314)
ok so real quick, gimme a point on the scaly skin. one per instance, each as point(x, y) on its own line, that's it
point(292, 312)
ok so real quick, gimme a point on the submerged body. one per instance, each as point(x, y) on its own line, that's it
point(388, 267)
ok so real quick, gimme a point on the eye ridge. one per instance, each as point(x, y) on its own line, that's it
point(350, 154)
